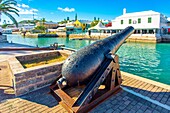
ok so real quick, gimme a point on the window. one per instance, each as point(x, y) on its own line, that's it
point(135, 32)
point(113, 31)
point(151, 31)
point(138, 31)
point(134, 22)
point(139, 20)
point(130, 21)
point(144, 31)
point(149, 20)
point(121, 21)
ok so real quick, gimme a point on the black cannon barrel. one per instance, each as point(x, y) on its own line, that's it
point(81, 65)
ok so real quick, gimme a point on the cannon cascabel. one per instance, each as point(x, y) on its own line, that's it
point(83, 63)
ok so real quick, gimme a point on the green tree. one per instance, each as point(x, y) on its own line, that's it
point(6, 7)
point(76, 17)
point(94, 18)
point(63, 21)
point(4, 25)
point(95, 22)
point(98, 19)
point(43, 21)
point(28, 21)
point(35, 21)
point(40, 28)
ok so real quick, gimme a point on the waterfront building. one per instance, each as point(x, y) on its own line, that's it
point(149, 25)
point(77, 26)
point(145, 22)
point(70, 27)
point(105, 22)
point(11, 27)
point(26, 27)
point(168, 21)
point(109, 24)
point(81, 25)
point(48, 25)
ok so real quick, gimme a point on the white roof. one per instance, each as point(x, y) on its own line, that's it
point(142, 13)
point(98, 26)
point(168, 18)
point(61, 28)
point(52, 29)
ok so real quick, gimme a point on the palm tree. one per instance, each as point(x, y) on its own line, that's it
point(6, 7)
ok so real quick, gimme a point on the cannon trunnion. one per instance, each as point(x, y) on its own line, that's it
point(90, 75)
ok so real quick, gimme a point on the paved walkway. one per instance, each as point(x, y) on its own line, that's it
point(154, 91)
point(6, 85)
point(41, 102)
point(5, 74)
point(123, 102)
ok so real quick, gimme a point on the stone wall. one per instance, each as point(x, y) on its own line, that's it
point(3, 39)
point(143, 39)
point(133, 38)
point(166, 38)
point(47, 35)
point(34, 79)
point(61, 34)
point(30, 79)
point(37, 35)
point(36, 56)
point(87, 36)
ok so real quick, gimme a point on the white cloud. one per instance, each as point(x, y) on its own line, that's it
point(25, 9)
point(19, 5)
point(66, 9)
point(34, 10)
point(25, 6)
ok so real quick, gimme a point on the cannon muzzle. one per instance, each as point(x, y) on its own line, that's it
point(80, 66)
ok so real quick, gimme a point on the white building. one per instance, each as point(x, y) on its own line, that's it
point(145, 22)
point(149, 25)
point(26, 27)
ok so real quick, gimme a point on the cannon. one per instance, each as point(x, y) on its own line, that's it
point(82, 64)
point(89, 68)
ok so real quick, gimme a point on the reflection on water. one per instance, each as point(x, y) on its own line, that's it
point(147, 60)
point(76, 44)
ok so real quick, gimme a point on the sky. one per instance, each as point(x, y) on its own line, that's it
point(57, 10)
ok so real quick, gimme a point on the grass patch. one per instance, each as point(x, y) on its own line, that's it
point(43, 61)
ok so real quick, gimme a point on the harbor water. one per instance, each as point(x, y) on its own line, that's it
point(147, 60)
